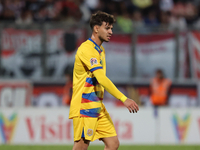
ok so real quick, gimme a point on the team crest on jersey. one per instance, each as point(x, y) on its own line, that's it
point(89, 132)
point(93, 61)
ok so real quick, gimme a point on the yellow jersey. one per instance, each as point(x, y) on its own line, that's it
point(87, 92)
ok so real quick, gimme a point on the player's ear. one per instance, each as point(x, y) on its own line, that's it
point(96, 28)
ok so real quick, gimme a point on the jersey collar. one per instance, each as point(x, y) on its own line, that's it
point(96, 46)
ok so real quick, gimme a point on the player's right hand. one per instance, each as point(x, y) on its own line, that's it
point(131, 105)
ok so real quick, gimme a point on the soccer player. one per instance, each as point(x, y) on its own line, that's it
point(91, 120)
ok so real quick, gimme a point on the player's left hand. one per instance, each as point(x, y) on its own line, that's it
point(131, 105)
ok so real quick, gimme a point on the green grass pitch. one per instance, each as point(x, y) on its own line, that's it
point(122, 147)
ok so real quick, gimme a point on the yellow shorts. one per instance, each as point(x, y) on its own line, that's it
point(93, 128)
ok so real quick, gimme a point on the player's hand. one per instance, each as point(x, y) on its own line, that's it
point(131, 105)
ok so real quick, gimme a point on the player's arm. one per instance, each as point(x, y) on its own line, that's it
point(91, 59)
point(111, 88)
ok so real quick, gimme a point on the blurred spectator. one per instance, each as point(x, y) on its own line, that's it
point(177, 22)
point(66, 18)
point(71, 4)
point(137, 19)
point(70, 14)
point(125, 23)
point(85, 11)
point(7, 15)
point(14, 5)
point(92, 5)
point(151, 19)
point(166, 5)
point(33, 5)
point(112, 6)
point(25, 18)
point(164, 19)
point(41, 15)
point(179, 8)
point(53, 9)
point(159, 89)
point(191, 13)
point(151, 13)
point(123, 17)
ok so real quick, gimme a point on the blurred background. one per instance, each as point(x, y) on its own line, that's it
point(153, 57)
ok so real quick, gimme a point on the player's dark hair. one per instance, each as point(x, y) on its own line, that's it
point(99, 17)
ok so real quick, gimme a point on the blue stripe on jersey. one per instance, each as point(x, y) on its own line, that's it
point(92, 81)
point(97, 47)
point(91, 96)
point(94, 112)
point(93, 69)
point(94, 42)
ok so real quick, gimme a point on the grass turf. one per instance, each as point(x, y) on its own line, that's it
point(122, 147)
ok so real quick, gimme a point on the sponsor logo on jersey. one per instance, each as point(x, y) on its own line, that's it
point(93, 61)
point(89, 132)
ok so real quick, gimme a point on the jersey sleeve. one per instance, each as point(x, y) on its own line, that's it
point(108, 85)
point(91, 59)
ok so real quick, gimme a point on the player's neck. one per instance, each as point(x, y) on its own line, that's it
point(96, 40)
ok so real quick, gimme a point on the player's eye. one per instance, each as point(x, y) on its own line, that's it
point(108, 28)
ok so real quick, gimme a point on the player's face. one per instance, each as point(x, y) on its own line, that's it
point(105, 32)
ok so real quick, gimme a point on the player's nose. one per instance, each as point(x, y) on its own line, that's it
point(110, 32)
